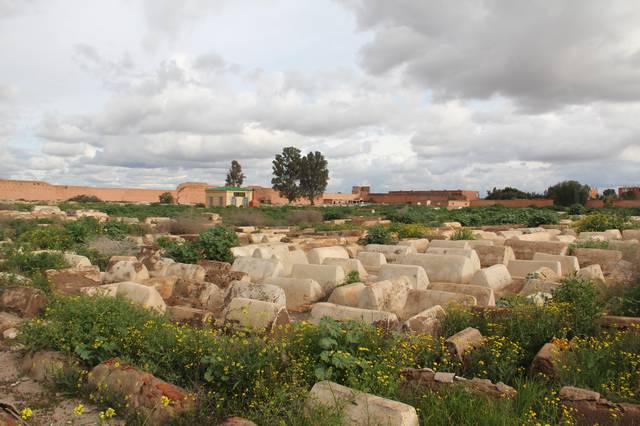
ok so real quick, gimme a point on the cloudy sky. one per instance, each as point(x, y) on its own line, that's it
point(406, 94)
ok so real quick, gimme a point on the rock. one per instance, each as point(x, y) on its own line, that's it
point(68, 282)
point(468, 253)
point(543, 362)
point(126, 270)
point(328, 276)
point(237, 421)
point(464, 341)
point(316, 256)
point(164, 285)
point(189, 315)
point(414, 379)
point(386, 320)
point(495, 277)
point(75, 260)
point(300, 293)
point(484, 295)
point(144, 390)
point(362, 409)
point(348, 265)
point(255, 314)
point(420, 300)
point(347, 295)
point(522, 268)
point(44, 366)
point(265, 292)
point(25, 302)
point(569, 264)
point(186, 271)
point(389, 296)
point(8, 321)
point(372, 261)
point(605, 258)
point(391, 252)
point(427, 321)
point(220, 273)
point(534, 286)
point(419, 244)
point(10, 333)
point(589, 408)
point(145, 296)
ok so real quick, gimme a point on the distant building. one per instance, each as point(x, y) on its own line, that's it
point(229, 196)
point(629, 189)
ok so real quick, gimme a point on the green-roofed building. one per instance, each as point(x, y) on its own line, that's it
point(229, 196)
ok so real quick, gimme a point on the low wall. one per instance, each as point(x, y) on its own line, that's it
point(596, 204)
point(518, 202)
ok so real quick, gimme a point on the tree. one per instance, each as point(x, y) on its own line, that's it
point(509, 193)
point(568, 192)
point(314, 176)
point(609, 193)
point(235, 177)
point(629, 195)
point(166, 198)
point(286, 173)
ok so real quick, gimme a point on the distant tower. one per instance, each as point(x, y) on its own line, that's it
point(362, 192)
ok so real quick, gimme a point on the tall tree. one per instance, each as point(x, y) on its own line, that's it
point(314, 175)
point(235, 177)
point(286, 173)
point(568, 193)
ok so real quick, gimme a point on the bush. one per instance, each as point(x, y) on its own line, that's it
point(213, 244)
point(81, 230)
point(47, 238)
point(378, 234)
point(597, 244)
point(166, 198)
point(85, 199)
point(499, 359)
point(31, 264)
point(627, 303)
point(600, 222)
point(582, 305)
point(100, 249)
point(410, 230)
point(568, 193)
point(463, 234)
point(577, 209)
point(188, 224)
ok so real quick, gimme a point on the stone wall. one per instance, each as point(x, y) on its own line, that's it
point(540, 202)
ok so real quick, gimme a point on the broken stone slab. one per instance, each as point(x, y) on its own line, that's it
point(69, 281)
point(186, 271)
point(8, 321)
point(320, 310)
point(469, 253)
point(622, 323)
point(300, 293)
point(484, 295)
point(459, 244)
point(522, 268)
point(631, 234)
point(414, 378)
point(328, 276)
point(164, 285)
point(145, 392)
point(533, 286)
point(419, 244)
point(258, 269)
point(464, 341)
point(443, 268)
point(427, 321)
point(265, 292)
point(494, 255)
point(588, 407)
point(115, 259)
point(347, 295)
point(237, 421)
point(591, 272)
point(316, 256)
point(391, 252)
point(26, 302)
point(220, 273)
point(348, 265)
point(495, 277)
point(361, 409)
point(126, 270)
point(255, 314)
point(388, 295)
point(415, 274)
point(569, 264)
point(145, 296)
point(420, 300)
point(189, 315)
point(524, 250)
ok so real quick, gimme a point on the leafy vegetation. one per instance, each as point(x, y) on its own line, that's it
point(463, 234)
point(166, 198)
point(600, 222)
point(378, 234)
point(213, 244)
point(509, 193)
point(235, 177)
point(352, 277)
point(568, 193)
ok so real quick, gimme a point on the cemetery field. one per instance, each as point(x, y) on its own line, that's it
point(369, 315)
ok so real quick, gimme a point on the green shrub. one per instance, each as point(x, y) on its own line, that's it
point(166, 198)
point(463, 234)
point(410, 230)
point(216, 243)
point(576, 209)
point(47, 238)
point(600, 222)
point(378, 234)
point(597, 244)
point(81, 230)
point(352, 277)
point(30, 264)
point(85, 199)
point(499, 359)
point(116, 230)
point(627, 302)
point(582, 302)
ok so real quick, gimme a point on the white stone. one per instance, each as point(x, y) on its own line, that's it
point(345, 313)
point(316, 256)
point(347, 295)
point(75, 260)
point(265, 292)
point(569, 264)
point(419, 244)
point(443, 268)
point(362, 409)
point(416, 275)
point(300, 293)
point(520, 268)
point(495, 277)
point(186, 271)
point(258, 269)
point(420, 300)
point(348, 265)
point(126, 270)
point(484, 295)
point(255, 314)
point(389, 296)
point(390, 252)
point(460, 244)
point(471, 254)
point(372, 261)
point(591, 272)
point(328, 276)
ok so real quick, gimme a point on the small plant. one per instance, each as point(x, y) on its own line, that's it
point(411, 230)
point(582, 305)
point(463, 234)
point(85, 199)
point(213, 244)
point(600, 222)
point(352, 277)
point(47, 238)
point(378, 234)
point(595, 244)
point(30, 264)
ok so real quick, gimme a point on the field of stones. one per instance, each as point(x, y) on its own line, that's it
point(116, 314)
